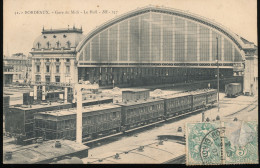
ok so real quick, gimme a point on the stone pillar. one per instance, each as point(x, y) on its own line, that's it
point(79, 115)
point(42, 70)
point(53, 70)
point(43, 92)
point(249, 83)
point(33, 70)
point(35, 92)
point(65, 95)
point(62, 71)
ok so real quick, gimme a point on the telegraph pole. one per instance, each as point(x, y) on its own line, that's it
point(217, 74)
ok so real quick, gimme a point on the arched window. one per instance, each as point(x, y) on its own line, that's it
point(68, 44)
point(58, 44)
point(38, 45)
point(48, 44)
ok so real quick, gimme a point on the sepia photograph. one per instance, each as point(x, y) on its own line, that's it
point(130, 82)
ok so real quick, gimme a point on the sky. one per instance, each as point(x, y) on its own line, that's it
point(21, 28)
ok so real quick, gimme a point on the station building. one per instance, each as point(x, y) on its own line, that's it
point(54, 55)
point(153, 45)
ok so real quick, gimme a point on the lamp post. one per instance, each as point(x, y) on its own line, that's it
point(217, 74)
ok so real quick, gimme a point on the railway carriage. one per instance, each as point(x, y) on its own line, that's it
point(20, 119)
point(136, 113)
point(233, 89)
point(96, 121)
point(199, 99)
point(211, 96)
point(177, 104)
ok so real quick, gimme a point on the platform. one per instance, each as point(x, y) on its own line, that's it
point(43, 153)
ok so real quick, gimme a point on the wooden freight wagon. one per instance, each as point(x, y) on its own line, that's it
point(97, 120)
point(142, 112)
point(135, 94)
point(177, 104)
point(199, 99)
point(233, 89)
point(19, 120)
point(211, 96)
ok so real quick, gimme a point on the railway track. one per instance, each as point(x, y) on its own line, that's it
point(249, 107)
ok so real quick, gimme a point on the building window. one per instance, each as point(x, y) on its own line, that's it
point(47, 60)
point(47, 79)
point(58, 44)
point(37, 60)
point(67, 69)
point(57, 69)
point(38, 45)
point(38, 78)
point(47, 68)
point(57, 60)
point(67, 60)
point(48, 44)
point(57, 78)
point(68, 44)
point(38, 68)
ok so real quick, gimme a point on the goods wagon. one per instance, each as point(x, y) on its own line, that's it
point(96, 121)
point(211, 96)
point(142, 112)
point(233, 89)
point(177, 104)
point(199, 99)
point(20, 119)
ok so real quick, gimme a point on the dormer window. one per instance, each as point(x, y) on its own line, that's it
point(64, 36)
point(48, 44)
point(68, 44)
point(54, 36)
point(38, 45)
point(58, 44)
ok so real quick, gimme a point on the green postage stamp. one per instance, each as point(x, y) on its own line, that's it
point(216, 143)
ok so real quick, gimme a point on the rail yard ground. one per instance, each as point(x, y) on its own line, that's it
point(241, 107)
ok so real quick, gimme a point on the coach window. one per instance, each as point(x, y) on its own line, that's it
point(114, 115)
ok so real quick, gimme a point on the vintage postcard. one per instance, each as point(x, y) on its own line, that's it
point(127, 82)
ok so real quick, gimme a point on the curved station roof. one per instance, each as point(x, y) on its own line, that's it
point(160, 35)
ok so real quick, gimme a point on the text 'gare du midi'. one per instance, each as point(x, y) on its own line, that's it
point(147, 47)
